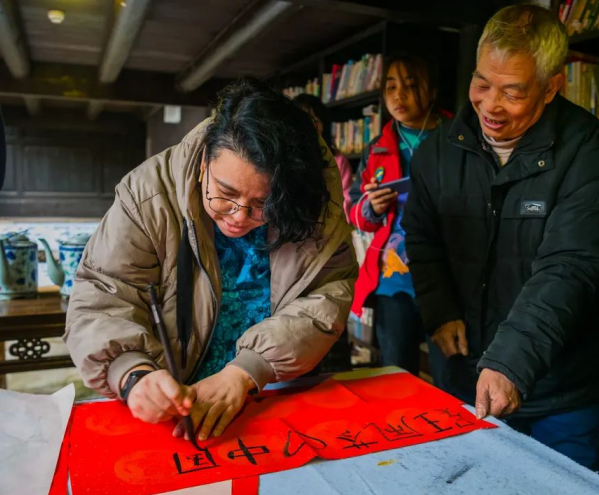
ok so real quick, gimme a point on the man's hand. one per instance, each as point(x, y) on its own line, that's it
point(495, 395)
point(451, 338)
point(219, 398)
point(380, 200)
point(159, 397)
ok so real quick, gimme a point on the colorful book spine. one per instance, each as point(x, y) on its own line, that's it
point(352, 136)
point(573, 24)
point(312, 87)
point(579, 16)
point(580, 85)
point(353, 78)
point(335, 76)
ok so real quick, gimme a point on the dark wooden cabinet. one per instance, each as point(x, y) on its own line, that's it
point(61, 165)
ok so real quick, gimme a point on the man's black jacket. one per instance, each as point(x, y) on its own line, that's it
point(514, 252)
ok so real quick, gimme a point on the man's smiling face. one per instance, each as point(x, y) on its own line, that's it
point(507, 95)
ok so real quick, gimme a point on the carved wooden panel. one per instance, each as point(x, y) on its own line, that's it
point(29, 348)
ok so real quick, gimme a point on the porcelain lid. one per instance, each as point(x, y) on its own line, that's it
point(79, 239)
point(18, 239)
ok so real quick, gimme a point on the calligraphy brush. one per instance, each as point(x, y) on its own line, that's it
point(168, 355)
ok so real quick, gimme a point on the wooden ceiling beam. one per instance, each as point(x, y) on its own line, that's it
point(12, 41)
point(77, 82)
point(437, 12)
point(251, 23)
point(129, 18)
point(370, 8)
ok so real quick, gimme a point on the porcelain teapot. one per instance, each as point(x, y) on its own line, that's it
point(18, 266)
point(63, 271)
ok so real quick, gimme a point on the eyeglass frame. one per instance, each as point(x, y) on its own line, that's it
point(237, 205)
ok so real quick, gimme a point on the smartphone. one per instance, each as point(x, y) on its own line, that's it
point(400, 186)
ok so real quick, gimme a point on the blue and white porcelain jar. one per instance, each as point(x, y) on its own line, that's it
point(18, 266)
point(70, 252)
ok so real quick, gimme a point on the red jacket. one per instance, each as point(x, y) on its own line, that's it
point(384, 153)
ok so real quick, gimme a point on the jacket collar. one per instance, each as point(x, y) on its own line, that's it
point(465, 130)
point(185, 166)
point(389, 140)
point(388, 143)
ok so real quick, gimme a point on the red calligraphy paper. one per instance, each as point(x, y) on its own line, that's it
point(387, 412)
point(397, 387)
point(108, 457)
point(60, 479)
point(111, 452)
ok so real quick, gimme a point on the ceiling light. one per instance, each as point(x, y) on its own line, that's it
point(56, 16)
point(123, 4)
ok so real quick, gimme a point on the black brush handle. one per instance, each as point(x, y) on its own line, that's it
point(162, 335)
point(169, 357)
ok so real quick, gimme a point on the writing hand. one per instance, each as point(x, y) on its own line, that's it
point(451, 338)
point(219, 398)
point(159, 397)
point(495, 395)
point(380, 200)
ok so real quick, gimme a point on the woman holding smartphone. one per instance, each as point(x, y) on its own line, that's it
point(409, 92)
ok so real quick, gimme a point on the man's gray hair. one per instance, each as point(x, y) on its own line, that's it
point(528, 29)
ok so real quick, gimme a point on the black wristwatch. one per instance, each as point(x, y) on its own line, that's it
point(132, 379)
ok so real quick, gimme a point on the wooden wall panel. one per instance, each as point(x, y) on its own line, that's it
point(64, 165)
point(59, 169)
point(10, 179)
point(115, 161)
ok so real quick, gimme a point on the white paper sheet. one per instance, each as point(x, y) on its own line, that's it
point(31, 431)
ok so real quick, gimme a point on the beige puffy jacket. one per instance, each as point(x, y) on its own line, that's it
point(109, 327)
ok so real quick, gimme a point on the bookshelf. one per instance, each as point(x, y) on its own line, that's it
point(581, 37)
point(581, 75)
point(581, 18)
point(587, 43)
point(581, 72)
point(382, 38)
point(358, 100)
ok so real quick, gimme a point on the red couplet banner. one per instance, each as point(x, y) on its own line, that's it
point(111, 452)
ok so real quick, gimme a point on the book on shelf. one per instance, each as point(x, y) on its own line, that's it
point(580, 87)
point(353, 135)
point(335, 76)
point(345, 72)
point(579, 16)
point(352, 78)
point(312, 87)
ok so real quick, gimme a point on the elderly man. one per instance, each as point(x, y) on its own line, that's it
point(502, 233)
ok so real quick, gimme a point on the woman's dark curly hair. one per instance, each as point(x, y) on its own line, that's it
point(266, 129)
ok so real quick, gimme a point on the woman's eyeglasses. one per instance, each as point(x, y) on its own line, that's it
point(224, 206)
